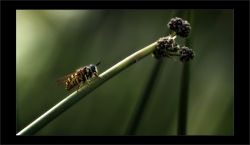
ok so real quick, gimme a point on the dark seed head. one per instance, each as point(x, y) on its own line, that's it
point(165, 44)
point(182, 28)
point(186, 54)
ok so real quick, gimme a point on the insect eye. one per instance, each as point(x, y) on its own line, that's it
point(92, 67)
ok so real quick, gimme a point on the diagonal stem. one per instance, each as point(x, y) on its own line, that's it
point(84, 91)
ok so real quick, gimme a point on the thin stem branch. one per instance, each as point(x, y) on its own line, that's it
point(85, 90)
point(149, 87)
point(174, 53)
point(143, 102)
point(184, 90)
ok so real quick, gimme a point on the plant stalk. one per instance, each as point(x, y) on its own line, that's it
point(85, 90)
point(184, 90)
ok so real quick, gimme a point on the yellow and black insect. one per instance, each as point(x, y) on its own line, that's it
point(79, 77)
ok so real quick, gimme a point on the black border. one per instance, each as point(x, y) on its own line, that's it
point(241, 113)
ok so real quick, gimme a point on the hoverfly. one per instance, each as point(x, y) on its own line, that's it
point(79, 77)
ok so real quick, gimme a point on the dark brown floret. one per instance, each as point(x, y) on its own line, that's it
point(181, 27)
point(165, 44)
point(186, 54)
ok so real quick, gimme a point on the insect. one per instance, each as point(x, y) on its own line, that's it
point(79, 77)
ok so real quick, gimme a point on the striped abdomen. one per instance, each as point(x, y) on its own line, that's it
point(74, 80)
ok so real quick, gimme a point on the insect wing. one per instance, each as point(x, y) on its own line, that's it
point(64, 79)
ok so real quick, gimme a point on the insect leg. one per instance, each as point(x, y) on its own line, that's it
point(87, 81)
point(79, 86)
point(98, 75)
point(170, 57)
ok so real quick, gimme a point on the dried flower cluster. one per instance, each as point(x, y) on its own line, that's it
point(167, 44)
point(182, 28)
point(186, 54)
point(164, 45)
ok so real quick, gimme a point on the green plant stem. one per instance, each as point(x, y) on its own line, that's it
point(183, 101)
point(85, 90)
point(184, 90)
point(150, 86)
point(174, 53)
point(136, 118)
point(173, 33)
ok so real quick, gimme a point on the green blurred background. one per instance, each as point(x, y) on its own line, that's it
point(53, 43)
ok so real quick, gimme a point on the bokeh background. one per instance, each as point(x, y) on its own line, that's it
point(53, 43)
